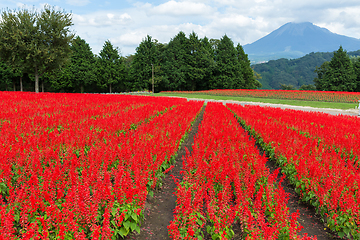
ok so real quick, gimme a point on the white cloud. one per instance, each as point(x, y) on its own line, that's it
point(102, 19)
point(176, 9)
point(129, 39)
point(78, 2)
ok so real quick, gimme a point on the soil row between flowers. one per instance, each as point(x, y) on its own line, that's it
point(159, 208)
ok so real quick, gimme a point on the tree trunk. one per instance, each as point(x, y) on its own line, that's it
point(21, 86)
point(110, 88)
point(82, 88)
point(36, 80)
point(42, 86)
point(14, 87)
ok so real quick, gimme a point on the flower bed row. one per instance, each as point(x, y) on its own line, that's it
point(226, 182)
point(77, 166)
point(322, 174)
point(342, 132)
point(323, 96)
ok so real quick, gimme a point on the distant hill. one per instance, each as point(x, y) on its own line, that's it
point(296, 72)
point(294, 40)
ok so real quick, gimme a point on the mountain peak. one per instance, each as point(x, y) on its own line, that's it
point(293, 40)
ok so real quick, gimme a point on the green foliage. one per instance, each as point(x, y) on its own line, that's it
point(39, 41)
point(141, 68)
point(356, 66)
point(6, 75)
point(228, 73)
point(79, 72)
point(111, 67)
point(287, 87)
point(296, 72)
point(175, 65)
point(200, 63)
point(309, 87)
point(337, 75)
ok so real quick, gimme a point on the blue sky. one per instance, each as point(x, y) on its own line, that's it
point(126, 22)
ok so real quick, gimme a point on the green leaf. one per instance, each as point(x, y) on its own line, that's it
point(114, 211)
point(134, 216)
point(127, 225)
point(113, 223)
point(17, 217)
point(137, 228)
point(151, 194)
point(123, 232)
point(346, 231)
point(133, 226)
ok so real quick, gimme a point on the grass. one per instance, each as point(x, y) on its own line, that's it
point(267, 100)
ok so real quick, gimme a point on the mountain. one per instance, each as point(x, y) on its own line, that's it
point(294, 40)
point(296, 72)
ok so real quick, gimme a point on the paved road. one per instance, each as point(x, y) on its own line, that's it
point(352, 112)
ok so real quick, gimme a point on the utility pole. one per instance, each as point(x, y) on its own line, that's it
point(152, 66)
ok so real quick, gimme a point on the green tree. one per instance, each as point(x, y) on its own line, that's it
point(79, 72)
point(287, 87)
point(200, 63)
point(111, 67)
point(356, 65)
point(39, 41)
point(247, 72)
point(340, 74)
point(308, 87)
point(319, 80)
point(6, 76)
point(228, 73)
point(176, 66)
point(141, 68)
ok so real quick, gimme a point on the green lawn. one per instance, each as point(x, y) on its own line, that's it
point(267, 100)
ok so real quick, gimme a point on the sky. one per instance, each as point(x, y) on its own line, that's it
point(127, 22)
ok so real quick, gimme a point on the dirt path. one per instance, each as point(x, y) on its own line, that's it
point(159, 209)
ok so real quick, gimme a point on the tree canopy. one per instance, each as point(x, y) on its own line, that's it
point(79, 72)
point(185, 63)
point(110, 67)
point(228, 72)
point(38, 41)
point(338, 74)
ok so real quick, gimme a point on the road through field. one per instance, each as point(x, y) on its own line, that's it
point(352, 112)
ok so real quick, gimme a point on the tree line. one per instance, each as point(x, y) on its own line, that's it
point(39, 48)
point(341, 73)
point(296, 73)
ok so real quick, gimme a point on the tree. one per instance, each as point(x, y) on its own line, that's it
point(338, 74)
point(356, 66)
point(321, 71)
point(79, 72)
point(6, 76)
point(40, 41)
point(228, 73)
point(287, 87)
point(200, 63)
point(176, 66)
point(308, 87)
point(141, 68)
point(111, 67)
point(247, 72)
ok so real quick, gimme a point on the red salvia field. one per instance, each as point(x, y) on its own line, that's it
point(80, 166)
